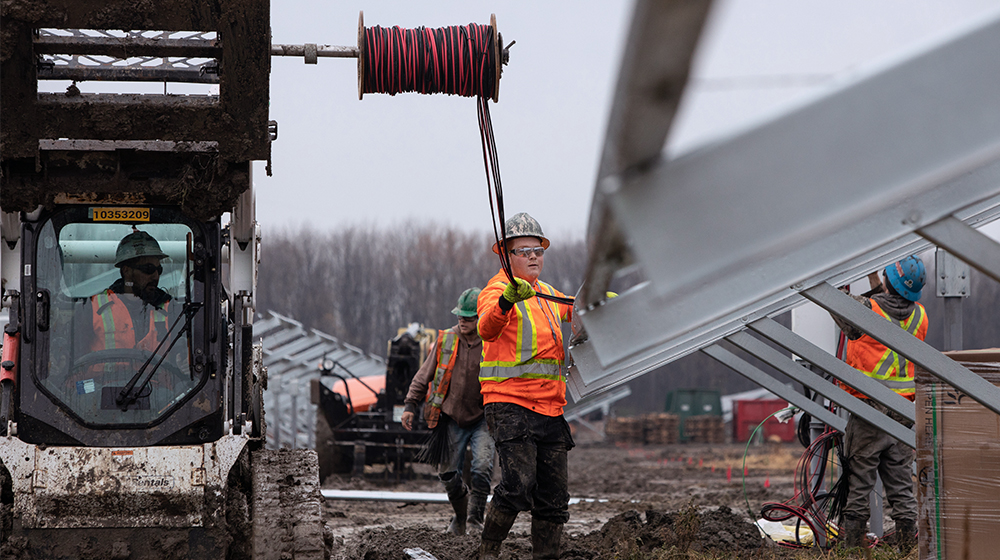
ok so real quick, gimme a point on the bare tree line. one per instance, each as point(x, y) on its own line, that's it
point(362, 283)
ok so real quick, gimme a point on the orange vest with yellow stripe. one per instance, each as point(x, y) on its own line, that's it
point(875, 360)
point(113, 326)
point(447, 354)
point(523, 349)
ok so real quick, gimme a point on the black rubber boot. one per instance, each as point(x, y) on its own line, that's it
point(495, 528)
point(854, 532)
point(477, 511)
point(906, 535)
point(461, 507)
point(545, 537)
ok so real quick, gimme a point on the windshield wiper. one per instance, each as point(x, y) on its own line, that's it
point(129, 394)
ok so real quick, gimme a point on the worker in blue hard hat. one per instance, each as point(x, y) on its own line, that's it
point(870, 451)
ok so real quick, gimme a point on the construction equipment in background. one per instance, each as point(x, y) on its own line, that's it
point(172, 421)
point(358, 419)
point(109, 445)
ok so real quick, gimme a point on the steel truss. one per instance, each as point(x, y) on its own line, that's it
point(905, 157)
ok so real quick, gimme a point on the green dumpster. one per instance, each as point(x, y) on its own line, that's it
point(693, 402)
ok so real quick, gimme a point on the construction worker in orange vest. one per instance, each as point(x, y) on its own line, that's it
point(133, 313)
point(870, 451)
point(525, 391)
point(139, 321)
point(449, 379)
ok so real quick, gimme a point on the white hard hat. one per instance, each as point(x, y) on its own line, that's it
point(137, 244)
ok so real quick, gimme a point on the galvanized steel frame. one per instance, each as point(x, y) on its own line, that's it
point(291, 356)
point(744, 229)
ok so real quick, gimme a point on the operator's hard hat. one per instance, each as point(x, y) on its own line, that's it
point(907, 277)
point(467, 303)
point(523, 225)
point(137, 244)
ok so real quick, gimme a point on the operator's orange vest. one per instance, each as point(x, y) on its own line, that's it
point(523, 349)
point(113, 326)
point(447, 353)
point(872, 358)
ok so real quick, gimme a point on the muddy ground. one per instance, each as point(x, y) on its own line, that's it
point(636, 502)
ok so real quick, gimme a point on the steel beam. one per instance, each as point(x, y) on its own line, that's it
point(816, 356)
point(966, 243)
point(746, 369)
point(845, 400)
point(905, 344)
point(658, 55)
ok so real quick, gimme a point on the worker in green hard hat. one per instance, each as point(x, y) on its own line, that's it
point(454, 408)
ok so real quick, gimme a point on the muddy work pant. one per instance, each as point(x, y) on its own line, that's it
point(872, 452)
point(533, 469)
point(479, 442)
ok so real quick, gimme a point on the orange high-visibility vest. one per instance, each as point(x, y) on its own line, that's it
point(447, 353)
point(523, 349)
point(875, 360)
point(113, 324)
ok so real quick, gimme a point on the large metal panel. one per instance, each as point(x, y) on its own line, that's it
point(838, 187)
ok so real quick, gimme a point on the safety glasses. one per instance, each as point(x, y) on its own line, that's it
point(527, 251)
point(148, 268)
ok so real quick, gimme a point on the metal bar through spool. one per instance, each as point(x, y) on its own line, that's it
point(312, 51)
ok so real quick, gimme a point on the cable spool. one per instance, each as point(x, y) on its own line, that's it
point(457, 60)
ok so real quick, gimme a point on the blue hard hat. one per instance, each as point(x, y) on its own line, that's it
point(907, 277)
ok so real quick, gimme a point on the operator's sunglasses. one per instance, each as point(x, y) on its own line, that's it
point(148, 268)
point(526, 251)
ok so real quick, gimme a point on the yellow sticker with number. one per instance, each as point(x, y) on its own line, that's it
point(119, 214)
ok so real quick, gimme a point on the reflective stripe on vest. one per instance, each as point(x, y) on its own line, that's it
point(527, 367)
point(545, 369)
point(108, 319)
point(883, 364)
point(107, 303)
point(447, 354)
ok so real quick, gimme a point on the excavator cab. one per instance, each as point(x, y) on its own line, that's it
point(123, 330)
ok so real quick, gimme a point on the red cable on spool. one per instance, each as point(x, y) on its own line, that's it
point(457, 60)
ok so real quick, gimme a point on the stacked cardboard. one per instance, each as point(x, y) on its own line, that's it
point(958, 464)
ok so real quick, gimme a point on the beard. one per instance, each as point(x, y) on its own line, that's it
point(149, 293)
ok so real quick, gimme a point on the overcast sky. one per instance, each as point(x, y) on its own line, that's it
point(384, 160)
